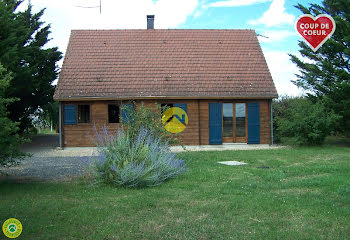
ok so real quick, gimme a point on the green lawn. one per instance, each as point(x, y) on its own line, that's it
point(46, 131)
point(304, 194)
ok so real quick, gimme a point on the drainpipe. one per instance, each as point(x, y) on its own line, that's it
point(271, 112)
point(60, 122)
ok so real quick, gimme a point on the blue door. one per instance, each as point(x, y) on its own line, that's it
point(253, 123)
point(215, 123)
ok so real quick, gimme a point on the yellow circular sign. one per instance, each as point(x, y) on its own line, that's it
point(175, 120)
point(12, 228)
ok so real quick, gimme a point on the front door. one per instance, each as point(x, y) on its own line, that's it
point(241, 122)
point(227, 122)
point(234, 124)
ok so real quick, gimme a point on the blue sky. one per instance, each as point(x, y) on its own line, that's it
point(231, 17)
point(274, 19)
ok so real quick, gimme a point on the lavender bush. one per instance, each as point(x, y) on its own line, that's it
point(140, 161)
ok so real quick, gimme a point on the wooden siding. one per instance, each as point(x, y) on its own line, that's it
point(265, 124)
point(196, 132)
point(83, 134)
point(190, 136)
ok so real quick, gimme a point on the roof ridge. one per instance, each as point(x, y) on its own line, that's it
point(170, 29)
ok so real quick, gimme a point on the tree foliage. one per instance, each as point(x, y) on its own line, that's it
point(326, 73)
point(9, 138)
point(23, 37)
point(46, 115)
point(299, 121)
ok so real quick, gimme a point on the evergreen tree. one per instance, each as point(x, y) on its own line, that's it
point(9, 139)
point(326, 73)
point(22, 39)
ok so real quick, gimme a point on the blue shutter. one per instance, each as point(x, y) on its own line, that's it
point(254, 123)
point(126, 110)
point(183, 106)
point(70, 114)
point(215, 123)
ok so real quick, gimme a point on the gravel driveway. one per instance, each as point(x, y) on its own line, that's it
point(49, 164)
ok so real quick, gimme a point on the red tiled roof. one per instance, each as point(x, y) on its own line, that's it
point(117, 64)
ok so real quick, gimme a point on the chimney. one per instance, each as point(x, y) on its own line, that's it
point(150, 21)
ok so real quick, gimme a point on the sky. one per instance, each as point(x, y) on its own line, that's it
point(274, 19)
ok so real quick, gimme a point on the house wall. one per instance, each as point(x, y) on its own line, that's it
point(83, 134)
point(265, 122)
point(196, 132)
point(190, 136)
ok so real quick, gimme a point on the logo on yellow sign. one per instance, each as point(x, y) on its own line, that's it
point(175, 120)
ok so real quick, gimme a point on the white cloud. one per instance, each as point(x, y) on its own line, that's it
point(65, 15)
point(283, 71)
point(173, 13)
point(275, 36)
point(236, 3)
point(275, 15)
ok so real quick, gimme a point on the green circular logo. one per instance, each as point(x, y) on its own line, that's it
point(12, 228)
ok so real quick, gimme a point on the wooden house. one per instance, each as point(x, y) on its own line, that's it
point(220, 77)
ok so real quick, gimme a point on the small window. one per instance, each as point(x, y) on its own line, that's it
point(113, 113)
point(166, 106)
point(83, 113)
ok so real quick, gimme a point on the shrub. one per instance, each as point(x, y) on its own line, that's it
point(144, 160)
point(148, 118)
point(298, 121)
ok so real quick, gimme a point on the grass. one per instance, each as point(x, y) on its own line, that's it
point(46, 131)
point(304, 194)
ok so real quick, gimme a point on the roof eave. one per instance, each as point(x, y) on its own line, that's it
point(111, 98)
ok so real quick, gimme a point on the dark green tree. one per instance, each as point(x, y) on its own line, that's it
point(326, 73)
point(9, 138)
point(22, 51)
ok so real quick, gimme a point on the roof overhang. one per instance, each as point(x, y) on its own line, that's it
point(111, 98)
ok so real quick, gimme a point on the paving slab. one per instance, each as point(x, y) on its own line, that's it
point(232, 163)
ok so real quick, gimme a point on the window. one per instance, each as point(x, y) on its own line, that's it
point(83, 113)
point(166, 106)
point(240, 119)
point(113, 113)
point(227, 119)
